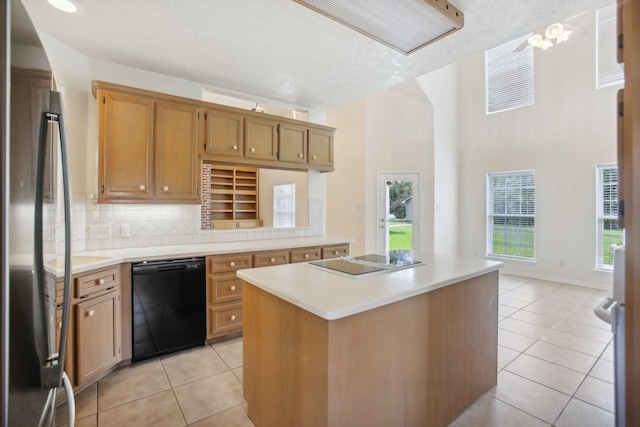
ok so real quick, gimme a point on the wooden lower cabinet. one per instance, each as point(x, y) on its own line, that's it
point(98, 336)
point(335, 251)
point(224, 289)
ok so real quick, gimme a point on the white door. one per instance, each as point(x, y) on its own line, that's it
point(399, 211)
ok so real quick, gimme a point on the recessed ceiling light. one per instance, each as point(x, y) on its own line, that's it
point(63, 5)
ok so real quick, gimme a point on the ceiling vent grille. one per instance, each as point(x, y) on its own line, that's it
point(403, 25)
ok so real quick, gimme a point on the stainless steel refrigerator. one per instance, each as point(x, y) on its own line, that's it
point(35, 228)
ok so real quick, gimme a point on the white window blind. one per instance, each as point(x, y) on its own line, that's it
point(608, 71)
point(509, 77)
point(608, 232)
point(511, 214)
point(284, 205)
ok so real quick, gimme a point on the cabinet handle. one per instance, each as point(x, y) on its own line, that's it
point(232, 264)
point(253, 150)
point(233, 287)
point(314, 157)
point(142, 187)
point(301, 155)
point(235, 147)
point(165, 188)
point(233, 317)
point(60, 325)
point(101, 282)
point(306, 255)
point(336, 252)
point(91, 313)
point(273, 260)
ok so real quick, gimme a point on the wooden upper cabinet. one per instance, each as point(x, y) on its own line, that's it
point(125, 169)
point(224, 134)
point(177, 167)
point(321, 148)
point(292, 143)
point(261, 139)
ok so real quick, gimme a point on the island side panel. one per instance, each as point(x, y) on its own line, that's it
point(419, 361)
point(285, 362)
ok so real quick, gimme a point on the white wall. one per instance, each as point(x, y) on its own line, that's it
point(571, 127)
point(391, 131)
point(441, 87)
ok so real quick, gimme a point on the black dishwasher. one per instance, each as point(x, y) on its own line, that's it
point(168, 306)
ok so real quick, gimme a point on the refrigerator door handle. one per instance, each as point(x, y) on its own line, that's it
point(52, 112)
point(56, 108)
point(604, 310)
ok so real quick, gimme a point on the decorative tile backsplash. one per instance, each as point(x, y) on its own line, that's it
point(105, 226)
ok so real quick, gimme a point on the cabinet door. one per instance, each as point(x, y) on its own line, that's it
point(261, 139)
point(224, 134)
point(320, 148)
point(176, 144)
point(98, 336)
point(292, 143)
point(125, 168)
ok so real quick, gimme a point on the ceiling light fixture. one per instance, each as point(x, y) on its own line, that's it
point(551, 36)
point(403, 25)
point(64, 5)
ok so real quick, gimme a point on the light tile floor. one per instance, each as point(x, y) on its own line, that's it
point(555, 367)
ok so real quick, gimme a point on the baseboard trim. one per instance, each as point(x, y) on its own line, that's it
point(559, 280)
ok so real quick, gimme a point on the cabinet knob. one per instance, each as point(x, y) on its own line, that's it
point(233, 317)
point(336, 252)
point(60, 325)
point(143, 187)
point(306, 255)
point(233, 287)
point(301, 155)
point(232, 264)
point(314, 157)
point(101, 282)
point(165, 188)
point(235, 147)
point(253, 150)
point(91, 313)
point(273, 260)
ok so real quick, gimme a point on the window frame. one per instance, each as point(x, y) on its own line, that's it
point(491, 214)
point(601, 217)
point(518, 65)
point(614, 73)
point(279, 213)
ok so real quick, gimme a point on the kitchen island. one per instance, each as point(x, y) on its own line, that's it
point(413, 347)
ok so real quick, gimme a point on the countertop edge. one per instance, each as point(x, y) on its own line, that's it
point(247, 276)
point(132, 255)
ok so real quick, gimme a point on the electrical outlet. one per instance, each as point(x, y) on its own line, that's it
point(99, 232)
point(124, 230)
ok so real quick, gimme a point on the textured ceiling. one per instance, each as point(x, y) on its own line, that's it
point(277, 49)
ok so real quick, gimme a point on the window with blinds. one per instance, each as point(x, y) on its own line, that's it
point(608, 233)
point(608, 71)
point(511, 209)
point(284, 205)
point(508, 76)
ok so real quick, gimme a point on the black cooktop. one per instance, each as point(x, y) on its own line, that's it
point(372, 263)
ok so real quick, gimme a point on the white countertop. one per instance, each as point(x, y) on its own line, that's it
point(333, 296)
point(90, 260)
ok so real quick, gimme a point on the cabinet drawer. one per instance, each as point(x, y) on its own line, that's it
point(335, 251)
point(307, 254)
point(225, 318)
point(226, 264)
point(99, 281)
point(224, 288)
point(271, 258)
